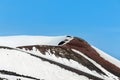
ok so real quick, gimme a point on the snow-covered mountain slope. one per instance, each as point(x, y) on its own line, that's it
point(14, 41)
point(54, 58)
point(29, 66)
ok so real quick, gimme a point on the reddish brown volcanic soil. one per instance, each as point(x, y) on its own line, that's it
point(85, 48)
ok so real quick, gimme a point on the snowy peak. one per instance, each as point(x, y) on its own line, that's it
point(66, 57)
point(14, 41)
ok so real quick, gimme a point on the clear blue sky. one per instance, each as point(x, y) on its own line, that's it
point(97, 21)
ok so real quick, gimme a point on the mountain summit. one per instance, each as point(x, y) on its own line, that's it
point(54, 58)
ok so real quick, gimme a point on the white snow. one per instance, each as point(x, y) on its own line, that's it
point(14, 41)
point(108, 57)
point(22, 63)
point(11, 77)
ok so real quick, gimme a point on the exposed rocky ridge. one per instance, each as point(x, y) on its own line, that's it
point(82, 46)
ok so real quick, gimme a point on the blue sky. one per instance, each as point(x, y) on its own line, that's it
point(97, 21)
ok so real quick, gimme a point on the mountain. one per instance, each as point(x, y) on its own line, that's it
point(54, 58)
